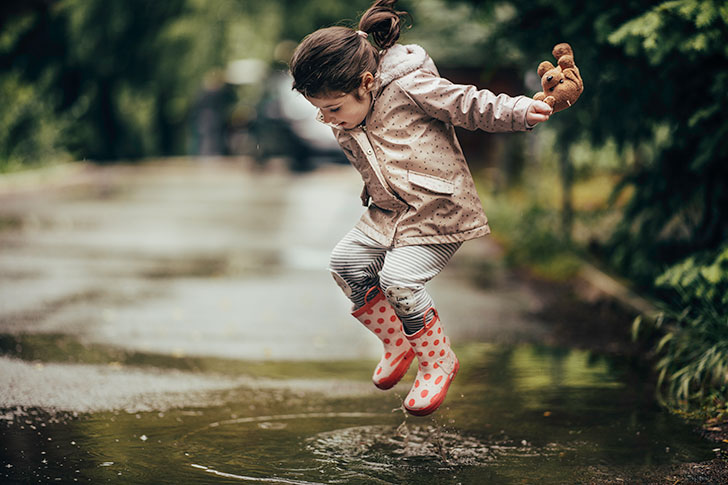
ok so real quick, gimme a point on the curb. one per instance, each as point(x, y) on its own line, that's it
point(594, 284)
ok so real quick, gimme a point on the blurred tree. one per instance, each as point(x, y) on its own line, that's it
point(28, 120)
point(96, 62)
point(301, 17)
point(11, 9)
point(680, 205)
point(116, 79)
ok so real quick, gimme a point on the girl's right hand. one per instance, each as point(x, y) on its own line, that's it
point(538, 112)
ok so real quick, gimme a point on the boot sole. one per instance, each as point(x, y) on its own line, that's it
point(439, 398)
point(398, 373)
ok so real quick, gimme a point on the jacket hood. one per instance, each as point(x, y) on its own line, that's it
point(400, 60)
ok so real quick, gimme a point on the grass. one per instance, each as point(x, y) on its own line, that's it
point(691, 334)
point(526, 219)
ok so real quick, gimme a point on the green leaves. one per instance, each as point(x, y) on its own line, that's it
point(640, 32)
point(699, 281)
point(687, 27)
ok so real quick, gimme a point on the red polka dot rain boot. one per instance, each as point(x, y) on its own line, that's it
point(378, 316)
point(437, 368)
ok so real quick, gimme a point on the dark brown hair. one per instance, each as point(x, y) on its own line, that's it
point(333, 60)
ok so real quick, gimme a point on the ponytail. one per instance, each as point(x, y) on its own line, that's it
point(383, 23)
point(333, 60)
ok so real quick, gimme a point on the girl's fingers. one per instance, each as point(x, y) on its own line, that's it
point(541, 107)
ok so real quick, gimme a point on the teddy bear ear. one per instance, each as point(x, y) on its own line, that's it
point(544, 67)
point(562, 49)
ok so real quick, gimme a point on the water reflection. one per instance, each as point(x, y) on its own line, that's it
point(514, 415)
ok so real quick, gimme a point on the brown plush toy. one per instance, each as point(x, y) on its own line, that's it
point(562, 84)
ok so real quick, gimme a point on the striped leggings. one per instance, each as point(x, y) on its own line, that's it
point(358, 263)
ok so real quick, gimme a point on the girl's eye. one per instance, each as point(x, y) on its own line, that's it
point(334, 110)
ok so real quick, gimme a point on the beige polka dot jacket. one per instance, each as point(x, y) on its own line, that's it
point(417, 185)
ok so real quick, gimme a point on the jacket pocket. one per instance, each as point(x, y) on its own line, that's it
point(431, 183)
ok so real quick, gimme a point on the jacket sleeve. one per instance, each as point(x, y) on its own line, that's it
point(465, 106)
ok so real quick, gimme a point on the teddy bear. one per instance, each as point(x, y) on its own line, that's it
point(562, 84)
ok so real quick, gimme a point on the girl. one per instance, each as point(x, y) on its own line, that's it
point(393, 115)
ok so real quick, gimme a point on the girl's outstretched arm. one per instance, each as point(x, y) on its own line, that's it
point(467, 106)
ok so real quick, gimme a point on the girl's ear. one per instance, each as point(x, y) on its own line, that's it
point(367, 83)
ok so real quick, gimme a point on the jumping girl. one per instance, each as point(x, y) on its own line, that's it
point(394, 117)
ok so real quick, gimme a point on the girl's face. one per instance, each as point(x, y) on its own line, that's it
point(348, 110)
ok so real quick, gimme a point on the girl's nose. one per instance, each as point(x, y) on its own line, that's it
point(327, 118)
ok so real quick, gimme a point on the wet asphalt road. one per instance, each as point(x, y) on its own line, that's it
point(174, 322)
point(195, 258)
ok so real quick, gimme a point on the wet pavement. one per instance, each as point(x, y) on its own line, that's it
point(174, 322)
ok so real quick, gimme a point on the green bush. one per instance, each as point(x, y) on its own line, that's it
point(531, 240)
point(693, 348)
point(31, 133)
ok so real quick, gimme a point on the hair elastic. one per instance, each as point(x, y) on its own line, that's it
point(361, 33)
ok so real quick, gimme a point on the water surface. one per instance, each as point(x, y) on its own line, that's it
point(521, 414)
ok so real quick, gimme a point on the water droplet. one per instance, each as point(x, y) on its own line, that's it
point(143, 437)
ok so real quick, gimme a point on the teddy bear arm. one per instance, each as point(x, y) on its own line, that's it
point(539, 96)
point(550, 100)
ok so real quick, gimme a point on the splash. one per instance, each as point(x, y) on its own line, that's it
point(449, 447)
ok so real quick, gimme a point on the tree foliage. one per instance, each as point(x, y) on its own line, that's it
point(115, 79)
point(680, 205)
point(94, 64)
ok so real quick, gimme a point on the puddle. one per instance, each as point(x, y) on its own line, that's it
point(519, 414)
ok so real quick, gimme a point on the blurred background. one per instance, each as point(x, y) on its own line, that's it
point(632, 178)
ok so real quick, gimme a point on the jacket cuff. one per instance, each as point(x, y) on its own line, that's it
point(520, 108)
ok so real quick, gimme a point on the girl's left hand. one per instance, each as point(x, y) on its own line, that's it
point(537, 113)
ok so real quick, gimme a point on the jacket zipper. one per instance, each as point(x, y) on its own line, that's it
point(372, 161)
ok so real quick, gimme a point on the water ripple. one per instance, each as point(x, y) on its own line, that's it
point(244, 478)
